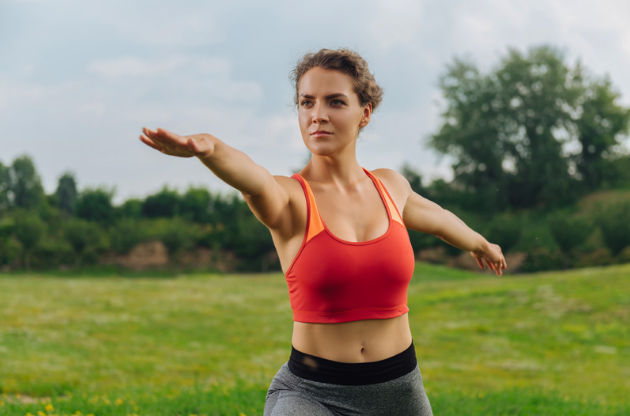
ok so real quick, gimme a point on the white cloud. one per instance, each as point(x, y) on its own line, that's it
point(395, 21)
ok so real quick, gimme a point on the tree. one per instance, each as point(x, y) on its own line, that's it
point(26, 190)
point(126, 234)
point(131, 208)
point(5, 188)
point(614, 223)
point(569, 232)
point(177, 235)
point(83, 236)
point(67, 193)
point(29, 230)
point(164, 204)
point(507, 129)
point(96, 205)
point(197, 205)
point(601, 124)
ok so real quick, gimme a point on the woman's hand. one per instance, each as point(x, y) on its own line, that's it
point(200, 145)
point(493, 257)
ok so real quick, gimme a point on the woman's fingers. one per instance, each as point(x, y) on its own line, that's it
point(167, 142)
point(480, 263)
point(149, 143)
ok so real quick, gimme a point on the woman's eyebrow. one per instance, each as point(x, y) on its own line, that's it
point(335, 95)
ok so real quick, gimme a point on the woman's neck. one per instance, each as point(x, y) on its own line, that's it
point(327, 169)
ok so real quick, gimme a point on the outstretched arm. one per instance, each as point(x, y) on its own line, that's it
point(267, 199)
point(425, 216)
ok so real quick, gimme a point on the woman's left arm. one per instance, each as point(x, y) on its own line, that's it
point(426, 216)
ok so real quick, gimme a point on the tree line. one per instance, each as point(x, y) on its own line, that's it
point(528, 139)
point(74, 228)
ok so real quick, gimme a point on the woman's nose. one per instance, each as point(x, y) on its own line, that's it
point(319, 114)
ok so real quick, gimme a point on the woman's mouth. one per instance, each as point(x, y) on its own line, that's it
point(321, 133)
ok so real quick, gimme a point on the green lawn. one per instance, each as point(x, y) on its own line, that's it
point(544, 344)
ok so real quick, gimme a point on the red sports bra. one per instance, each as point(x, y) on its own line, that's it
point(332, 280)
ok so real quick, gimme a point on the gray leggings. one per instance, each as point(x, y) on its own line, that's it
point(292, 395)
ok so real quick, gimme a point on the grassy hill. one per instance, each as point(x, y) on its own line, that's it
point(550, 343)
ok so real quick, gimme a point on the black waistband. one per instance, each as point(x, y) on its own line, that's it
point(319, 369)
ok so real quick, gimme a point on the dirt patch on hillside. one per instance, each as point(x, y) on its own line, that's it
point(153, 255)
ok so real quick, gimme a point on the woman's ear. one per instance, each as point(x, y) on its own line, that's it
point(367, 113)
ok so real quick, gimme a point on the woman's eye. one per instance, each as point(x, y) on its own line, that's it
point(305, 103)
point(337, 102)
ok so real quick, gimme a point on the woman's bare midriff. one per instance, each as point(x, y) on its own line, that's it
point(353, 342)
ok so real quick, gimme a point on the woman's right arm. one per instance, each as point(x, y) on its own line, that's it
point(268, 200)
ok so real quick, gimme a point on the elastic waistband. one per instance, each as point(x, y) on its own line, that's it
point(319, 369)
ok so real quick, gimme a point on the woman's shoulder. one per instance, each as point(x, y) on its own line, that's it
point(396, 184)
point(391, 179)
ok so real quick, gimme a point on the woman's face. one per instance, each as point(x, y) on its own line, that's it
point(329, 111)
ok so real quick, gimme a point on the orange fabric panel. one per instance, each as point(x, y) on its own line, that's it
point(315, 224)
point(393, 211)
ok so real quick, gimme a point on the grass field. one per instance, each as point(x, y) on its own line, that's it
point(544, 344)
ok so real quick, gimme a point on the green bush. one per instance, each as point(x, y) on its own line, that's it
point(505, 230)
point(614, 223)
point(28, 230)
point(543, 259)
point(126, 234)
point(569, 232)
point(84, 237)
point(176, 234)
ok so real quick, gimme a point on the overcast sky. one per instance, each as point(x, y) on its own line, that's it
point(79, 79)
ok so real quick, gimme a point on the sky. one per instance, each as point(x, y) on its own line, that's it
point(79, 79)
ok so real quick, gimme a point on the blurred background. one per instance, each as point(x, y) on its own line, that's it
point(512, 115)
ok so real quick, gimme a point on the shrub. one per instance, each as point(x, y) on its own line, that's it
point(543, 259)
point(569, 232)
point(28, 230)
point(504, 230)
point(614, 223)
point(84, 237)
point(126, 234)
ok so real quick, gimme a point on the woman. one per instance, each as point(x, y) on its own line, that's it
point(340, 235)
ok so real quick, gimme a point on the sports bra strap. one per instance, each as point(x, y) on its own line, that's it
point(314, 223)
point(393, 211)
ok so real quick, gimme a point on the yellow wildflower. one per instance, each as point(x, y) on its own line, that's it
point(49, 407)
point(118, 401)
point(40, 413)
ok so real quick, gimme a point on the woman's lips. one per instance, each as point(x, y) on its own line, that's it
point(321, 133)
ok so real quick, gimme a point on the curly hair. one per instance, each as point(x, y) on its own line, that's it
point(344, 61)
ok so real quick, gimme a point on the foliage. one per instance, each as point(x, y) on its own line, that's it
point(131, 208)
point(507, 129)
point(599, 127)
point(176, 234)
point(5, 188)
point(197, 205)
point(10, 248)
point(543, 259)
point(83, 236)
point(66, 193)
point(505, 230)
point(126, 233)
point(569, 231)
point(28, 230)
point(95, 204)
point(25, 190)
point(614, 223)
point(164, 204)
